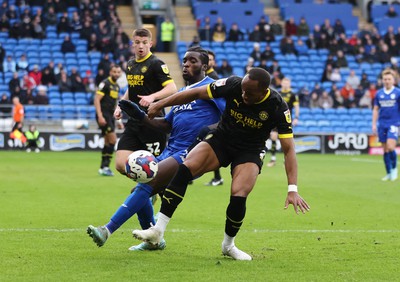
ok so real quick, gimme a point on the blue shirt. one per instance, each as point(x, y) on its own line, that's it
point(389, 106)
point(188, 119)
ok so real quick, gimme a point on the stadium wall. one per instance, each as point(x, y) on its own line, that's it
point(338, 144)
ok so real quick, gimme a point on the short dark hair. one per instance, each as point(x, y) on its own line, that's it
point(211, 52)
point(262, 76)
point(142, 32)
point(203, 53)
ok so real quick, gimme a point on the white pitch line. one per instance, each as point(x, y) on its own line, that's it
point(365, 160)
point(191, 231)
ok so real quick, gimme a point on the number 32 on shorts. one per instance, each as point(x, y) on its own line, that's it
point(154, 148)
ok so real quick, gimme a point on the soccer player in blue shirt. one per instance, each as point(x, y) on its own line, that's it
point(183, 122)
point(386, 112)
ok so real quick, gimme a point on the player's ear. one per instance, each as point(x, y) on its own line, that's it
point(204, 67)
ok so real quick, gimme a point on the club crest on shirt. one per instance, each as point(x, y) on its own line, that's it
point(263, 115)
point(208, 136)
point(143, 69)
point(165, 69)
point(392, 96)
point(220, 82)
point(287, 116)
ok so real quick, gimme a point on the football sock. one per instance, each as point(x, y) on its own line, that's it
point(175, 190)
point(234, 215)
point(109, 154)
point(132, 205)
point(217, 174)
point(273, 150)
point(162, 222)
point(145, 215)
point(228, 240)
point(393, 159)
point(103, 156)
point(386, 159)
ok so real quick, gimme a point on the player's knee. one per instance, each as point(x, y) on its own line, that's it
point(120, 166)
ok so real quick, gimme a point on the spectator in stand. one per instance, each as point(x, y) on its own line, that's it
point(50, 17)
point(167, 34)
point(314, 101)
point(76, 81)
point(341, 61)
point(26, 28)
point(9, 64)
point(287, 46)
point(391, 13)
point(338, 27)
point(87, 30)
point(195, 42)
point(64, 84)
point(63, 23)
point(304, 97)
point(268, 35)
point(336, 75)
point(301, 47)
point(338, 100)
point(5, 108)
point(263, 65)
point(327, 29)
point(394, 65)
point(205, 32)
point(393, 48)
point(325, 101)
point(384, 55)
point(358, 93)
point(235, 34)
point(290, 27)
point(372, 57)
point(38, 31)
point(4, 24)
point(105, 63)
point(210, 71)
point(57, 70)
point(327, 74)
point(361, 56)
point(219, 34)
point(27, 87)
point(317, 89)
point(398, 34)
point(94, 43)
point(303, 28)
point(22, 64)
point(274, 67)
point(344, 44)
point(67, 46)
point(41, 97)
point(267, 54)
point(256, 35)
point(388, 35)
point(225, 70)
point(121, 37)
point(100, 76)
point(261, 23)
point(365, 101)
point(317, 32)
point(334, 88)
point(75, 23)
point(36, 74)
point(48, 75)
point(324, 43)
point(204, 22)
point(353, 79)
point(14, 85)
point(364, 82)
point(277, 79)
point(219, 23)
point(250, 64)
point(310, 42)
point(276, 28)
point(256, 53)
point(346, 91)
point(372, 90)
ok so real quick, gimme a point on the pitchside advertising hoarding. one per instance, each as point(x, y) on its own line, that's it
point(339, 143)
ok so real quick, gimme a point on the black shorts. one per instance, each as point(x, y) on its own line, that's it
point(228, 154)
point(137, 137)
point(109, 126)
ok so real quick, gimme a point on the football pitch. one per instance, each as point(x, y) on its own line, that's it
point(352, 232)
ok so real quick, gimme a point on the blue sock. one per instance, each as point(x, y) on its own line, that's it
point(386, 159)
point(393, 159)
point(145, 215)
point(132, 205)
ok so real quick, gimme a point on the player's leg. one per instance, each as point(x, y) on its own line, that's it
point(243, 180)
point(107, 153)
point(391, 149)
point(136, 202)
point(200, 160)
point(273, 137)
point(382, 135)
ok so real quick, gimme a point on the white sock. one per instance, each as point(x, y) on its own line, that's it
point(228, 240)
point(162, 222)
point(108, 231)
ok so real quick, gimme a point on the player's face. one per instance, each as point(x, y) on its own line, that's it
point(388, 81)
point(192, 67)
point(251, 94)
point(285, 84)
point(141, 46)
point(211, 61)
point(115, 73)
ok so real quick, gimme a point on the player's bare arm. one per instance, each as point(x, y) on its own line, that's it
point(96, 102)
point(168, 90)
point(375, 113)
point(178, 98)
point(291, 172)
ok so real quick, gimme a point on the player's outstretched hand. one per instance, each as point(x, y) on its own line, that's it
point(297, 201)
point(131, 109)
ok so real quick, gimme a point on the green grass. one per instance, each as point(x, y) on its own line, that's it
point(352, 232)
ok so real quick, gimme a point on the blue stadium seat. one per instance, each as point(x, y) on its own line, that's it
point(55, 101)
point(81, 102)
point(31, 112)
point(69, 112)
point(42, 112)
